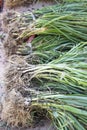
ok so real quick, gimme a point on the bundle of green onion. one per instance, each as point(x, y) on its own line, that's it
point(65, 74)
point(68, 112)
point(56, 28)
point(62, 21)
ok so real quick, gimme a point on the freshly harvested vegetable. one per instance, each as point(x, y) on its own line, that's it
point(48, 73)
point(66, 111)
point(66, 74)
point(70, 26)
point(57, 28)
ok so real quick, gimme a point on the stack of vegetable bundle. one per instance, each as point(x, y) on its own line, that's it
point(49, 67)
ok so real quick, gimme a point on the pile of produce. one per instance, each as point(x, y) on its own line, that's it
point(46, 76)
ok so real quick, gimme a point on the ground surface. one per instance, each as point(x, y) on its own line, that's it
point(45, 125)
point(2, 63)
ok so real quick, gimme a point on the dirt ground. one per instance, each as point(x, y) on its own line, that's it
point(45, 125)
point(2, 63)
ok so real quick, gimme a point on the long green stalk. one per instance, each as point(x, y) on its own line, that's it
point(61, 23)
point(56, 29)
point(67, 112)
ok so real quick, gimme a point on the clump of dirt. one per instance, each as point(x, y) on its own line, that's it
point(14, 24)
point(17, 3)
point(18, 111)
point(14, 110)
point(14, 77)
point(13, 3)
point(17, 108)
